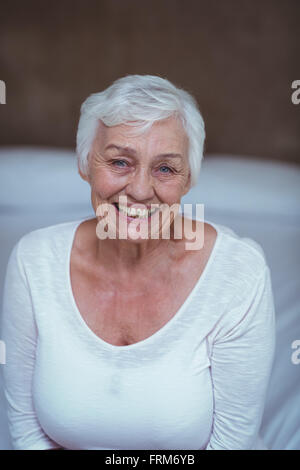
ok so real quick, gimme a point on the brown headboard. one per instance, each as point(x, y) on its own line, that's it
point(238, 58)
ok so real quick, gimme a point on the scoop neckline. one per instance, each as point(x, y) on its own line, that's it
point(156, 335)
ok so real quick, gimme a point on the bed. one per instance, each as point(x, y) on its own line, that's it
point(258, 199)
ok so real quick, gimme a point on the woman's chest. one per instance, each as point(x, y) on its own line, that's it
point(123, 312)
point(107, 404)
point(127, 316)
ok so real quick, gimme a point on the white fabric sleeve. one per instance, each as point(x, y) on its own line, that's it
point(19, 333)
point(241, 362)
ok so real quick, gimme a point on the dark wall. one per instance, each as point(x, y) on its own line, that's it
point(238, 57)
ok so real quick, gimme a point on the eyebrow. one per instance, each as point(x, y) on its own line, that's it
point(132, 151)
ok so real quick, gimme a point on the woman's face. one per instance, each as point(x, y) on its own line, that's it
point(150, 168)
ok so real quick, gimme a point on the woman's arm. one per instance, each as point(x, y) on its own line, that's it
point(19, 332)
point(241, 362)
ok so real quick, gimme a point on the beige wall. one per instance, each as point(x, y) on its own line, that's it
point(238, 57)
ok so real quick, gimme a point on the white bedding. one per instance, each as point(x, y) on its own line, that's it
point(257, 199)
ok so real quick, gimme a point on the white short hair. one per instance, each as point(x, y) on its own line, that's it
point(142, 99)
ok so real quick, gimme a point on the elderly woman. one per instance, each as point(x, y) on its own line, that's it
point(121, 341)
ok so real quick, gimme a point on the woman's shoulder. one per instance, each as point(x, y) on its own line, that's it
point(240, 251)
point(46, 240)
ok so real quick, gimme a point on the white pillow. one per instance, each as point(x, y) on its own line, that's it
point(33, 176)
point(248, 186)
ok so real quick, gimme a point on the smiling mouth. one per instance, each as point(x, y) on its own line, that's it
point(135, 213)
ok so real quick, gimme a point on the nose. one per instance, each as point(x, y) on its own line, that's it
point(140, 187)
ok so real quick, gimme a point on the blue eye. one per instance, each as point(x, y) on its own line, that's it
point(168, 169)
point(115, 162)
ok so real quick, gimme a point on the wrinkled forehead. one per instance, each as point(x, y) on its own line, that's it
point(167, 135)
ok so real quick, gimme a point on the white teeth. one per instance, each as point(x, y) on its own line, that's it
point(136, 212)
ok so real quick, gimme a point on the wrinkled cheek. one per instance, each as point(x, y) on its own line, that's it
point(95, 199)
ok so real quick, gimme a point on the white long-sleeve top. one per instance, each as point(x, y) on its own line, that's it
point(199, 382)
